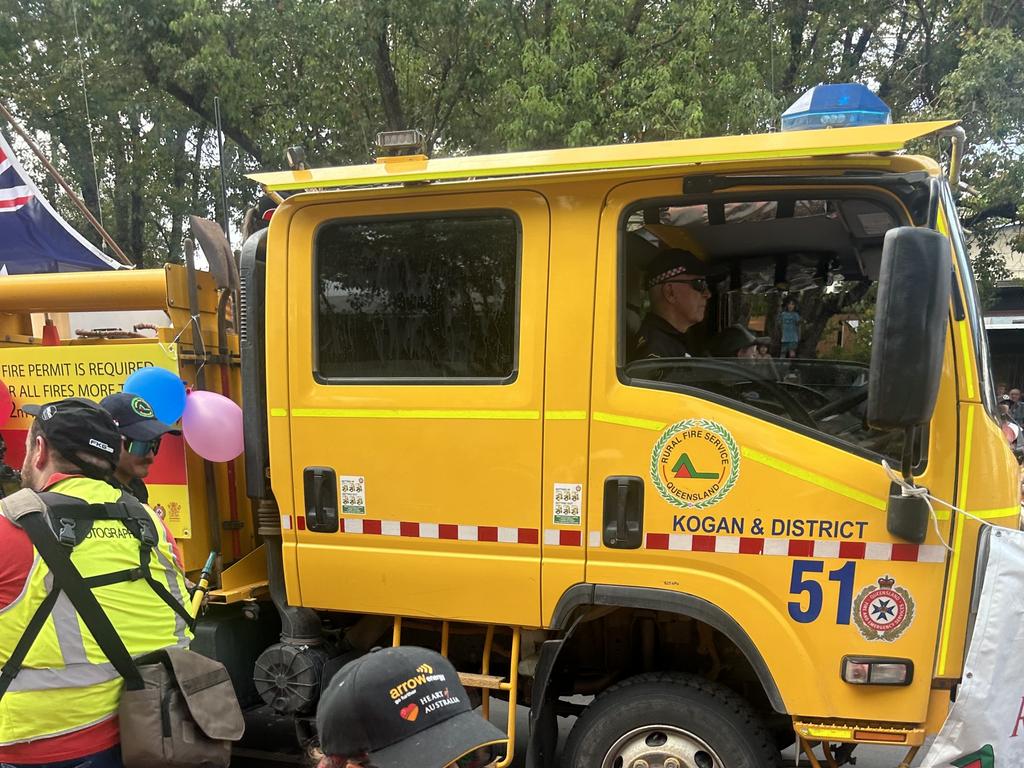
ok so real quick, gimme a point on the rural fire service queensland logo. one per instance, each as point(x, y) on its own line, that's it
point(695, 463)
point(883, 611)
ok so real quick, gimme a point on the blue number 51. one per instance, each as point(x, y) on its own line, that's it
point(798, 585)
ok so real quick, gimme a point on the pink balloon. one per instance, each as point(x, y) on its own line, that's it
point(6, 403)
point(212, 425)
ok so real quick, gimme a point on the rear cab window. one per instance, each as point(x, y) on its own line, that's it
point(418, 298)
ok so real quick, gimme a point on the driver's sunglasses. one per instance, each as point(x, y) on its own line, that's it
point(142, 447)
point(698, 284)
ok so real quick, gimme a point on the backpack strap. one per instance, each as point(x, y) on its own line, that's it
point(66, 512)
point(141, 524)
point(51, 522)
point(67, 578)
point(12, 666)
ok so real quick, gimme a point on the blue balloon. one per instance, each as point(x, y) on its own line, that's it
point(164, 392)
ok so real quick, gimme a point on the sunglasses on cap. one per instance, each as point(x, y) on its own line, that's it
point(142, 447)
point(699, 284)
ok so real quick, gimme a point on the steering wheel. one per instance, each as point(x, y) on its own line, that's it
point(793, 408)
point(842, 404)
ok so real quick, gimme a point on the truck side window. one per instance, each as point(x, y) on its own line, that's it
point(418, 297)
point(780, 324)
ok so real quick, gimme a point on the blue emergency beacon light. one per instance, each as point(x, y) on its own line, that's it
point(844, 105)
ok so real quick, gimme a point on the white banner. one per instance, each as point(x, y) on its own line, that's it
point(985, 727)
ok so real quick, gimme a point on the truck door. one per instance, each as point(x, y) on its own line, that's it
point(415, 375)
point(754, 485)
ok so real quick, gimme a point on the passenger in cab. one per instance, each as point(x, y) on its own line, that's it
point(678, 289)
point(736, 341)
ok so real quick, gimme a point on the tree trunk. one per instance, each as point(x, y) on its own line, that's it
point(384, 68)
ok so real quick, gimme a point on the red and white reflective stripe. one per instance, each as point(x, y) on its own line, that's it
point(444, 531)
point(674, 542)
point(844, 550)
point(554, 537)
point(447, 531)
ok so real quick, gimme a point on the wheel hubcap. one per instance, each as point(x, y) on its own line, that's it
point(661, 746)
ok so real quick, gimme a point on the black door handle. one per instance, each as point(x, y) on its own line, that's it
point(623, 512)
point(321, 495)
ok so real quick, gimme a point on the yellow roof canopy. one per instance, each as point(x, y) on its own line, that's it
point(836, 141)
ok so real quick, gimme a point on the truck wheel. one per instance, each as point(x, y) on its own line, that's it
point(668, 720)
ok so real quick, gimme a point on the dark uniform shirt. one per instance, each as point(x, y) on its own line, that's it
point(657, 337)
point(136, 488)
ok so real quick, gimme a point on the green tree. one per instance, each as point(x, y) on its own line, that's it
point(475, 75)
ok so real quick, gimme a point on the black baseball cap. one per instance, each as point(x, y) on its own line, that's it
point(135, 418)
point(77, 425)
point(733, 339)
point(674, 262)
point(401, 707)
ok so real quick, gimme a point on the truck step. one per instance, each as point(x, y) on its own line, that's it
point(490, 682)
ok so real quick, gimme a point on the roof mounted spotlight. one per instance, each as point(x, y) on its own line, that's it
point(842, 105)
point(411, 142)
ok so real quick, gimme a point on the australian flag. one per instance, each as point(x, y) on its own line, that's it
point(33, 236)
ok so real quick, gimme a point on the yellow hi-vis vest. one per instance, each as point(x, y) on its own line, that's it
point(66, 682)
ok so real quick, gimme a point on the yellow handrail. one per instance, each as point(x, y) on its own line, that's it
point(511, 686)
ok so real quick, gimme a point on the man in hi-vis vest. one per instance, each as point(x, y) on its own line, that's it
point(59, 705)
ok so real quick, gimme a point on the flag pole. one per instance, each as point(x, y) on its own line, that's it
point(223, 183)
point(79, 204)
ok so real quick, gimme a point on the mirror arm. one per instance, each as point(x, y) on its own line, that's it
point(907, 516)
point(934, 195)
point(958, 143)
point(907, 459)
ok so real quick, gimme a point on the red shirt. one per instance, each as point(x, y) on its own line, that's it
point(15, 566)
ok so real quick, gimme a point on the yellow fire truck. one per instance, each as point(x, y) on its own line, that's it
point(451, 442)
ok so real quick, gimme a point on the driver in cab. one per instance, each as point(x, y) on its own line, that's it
point(678, 289)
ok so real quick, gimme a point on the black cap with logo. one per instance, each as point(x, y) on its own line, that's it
point(135, 417)
point(402, 707)
point(77, 425)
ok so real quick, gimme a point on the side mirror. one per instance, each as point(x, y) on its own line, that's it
point(911, 317)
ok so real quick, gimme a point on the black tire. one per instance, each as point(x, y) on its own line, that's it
point(688, 707)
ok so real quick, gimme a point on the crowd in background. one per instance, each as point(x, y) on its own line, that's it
point(1011, 415)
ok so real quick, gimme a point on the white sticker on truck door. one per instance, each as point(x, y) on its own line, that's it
point(568, 504)
point(353, 494)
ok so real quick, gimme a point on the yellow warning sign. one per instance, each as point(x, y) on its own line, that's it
point(43, 374)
